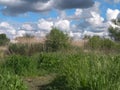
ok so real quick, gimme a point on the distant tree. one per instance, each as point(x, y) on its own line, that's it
point(94, 42)
point(114, 33)
point(56, 40)
point(99, 43)
point(3, 39)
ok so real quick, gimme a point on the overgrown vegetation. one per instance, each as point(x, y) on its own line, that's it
point(3, 39)
point(25, 49)
point(74, 68)
point(103, 44)
point(11, 82)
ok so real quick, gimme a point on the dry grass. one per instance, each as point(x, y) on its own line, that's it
point(79, 43)
point(29, 40)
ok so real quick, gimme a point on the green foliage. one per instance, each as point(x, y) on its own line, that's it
point(107, 44)
point(3, 39)
point(20, 65)
point(17, 49)
point(114, 33)
point(88, 72)
point(94, 42)
point(56, 40)
point(25, 49)
point(11, 82)
point(97, 43)
point(48, 61)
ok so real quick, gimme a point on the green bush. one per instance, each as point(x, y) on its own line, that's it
point(56, 40)
point(97, 43)
point(11, 82)
point(25, 49)
point(3, 39)
point(20, 65)
point(114, 33)
point(48, 61)
point(17, 49)
point(94, 42)
point(107, 44)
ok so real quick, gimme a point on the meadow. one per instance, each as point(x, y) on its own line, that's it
point(95, 65)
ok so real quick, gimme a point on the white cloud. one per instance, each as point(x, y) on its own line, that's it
point(78, 12)
point(20, 33)
point(63, 25)
point(6, 28)
point(96, 19)
point(45, 25)
point(112, 14)
point(27, 26)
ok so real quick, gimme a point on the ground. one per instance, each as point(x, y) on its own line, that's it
point(38, 83)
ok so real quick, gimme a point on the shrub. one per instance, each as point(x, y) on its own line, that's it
point(17, 49)
point(107, 44)
point(97, 43)
point(56, 40)
point(48, 61)
point(94, 43)
point(11, 82)
point(25, 49)
point(20, 65)
point(3, 39)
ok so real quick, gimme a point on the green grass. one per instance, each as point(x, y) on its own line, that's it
point(11, 82)
point(85, 71)
point(74, 70)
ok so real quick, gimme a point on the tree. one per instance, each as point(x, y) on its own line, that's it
point(114, 33)
point(3, 39)
point(94, 42)
point(56, 40)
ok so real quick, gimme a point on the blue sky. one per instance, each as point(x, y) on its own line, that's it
point(77, 18)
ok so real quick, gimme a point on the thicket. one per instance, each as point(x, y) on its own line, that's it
point(3, 39)
point(102, 44)
point(25, 49)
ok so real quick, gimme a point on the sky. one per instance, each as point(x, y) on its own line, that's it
point(77, 18)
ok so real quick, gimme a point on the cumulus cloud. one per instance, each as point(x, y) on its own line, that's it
point(45, 25)
point(27, 26)
point(84, 21)
point(7, 29)
point(112, 14)
point(16, 7)
point(96, 19)
point(63, 25)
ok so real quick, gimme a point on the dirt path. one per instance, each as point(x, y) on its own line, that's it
point(37, 83)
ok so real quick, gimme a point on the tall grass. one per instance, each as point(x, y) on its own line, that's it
point(11, 82)
point(74, 70)
point(91, 72)
point(19, 65)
